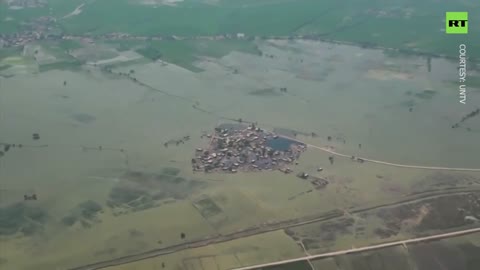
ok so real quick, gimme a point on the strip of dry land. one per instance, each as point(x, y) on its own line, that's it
point(265, 228)
point(367, 248)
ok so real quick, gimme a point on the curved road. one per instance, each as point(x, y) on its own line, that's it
point(361, 249)
point(325, 149)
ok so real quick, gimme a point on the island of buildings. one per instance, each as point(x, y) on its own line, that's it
point(246, 148)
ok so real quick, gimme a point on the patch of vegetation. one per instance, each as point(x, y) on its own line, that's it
point(459, 254)
point(4, 67)
point(405, 25)
point(140, 61)
point(89, 209)
point(446, 212)
point(120, 195)
point(73, 66)
point(23, 218)
point(141, 190)
point(473, 81)
point(437, 255)
point(171, 171)
point(83, 118)
point(470, 252)
point(384, 259)
point(69, 220)
point(302, 265)
point(135, 233)
point(142, 203)
point(450, 212)
point(8, 52)
point(398, 54)
point(207, 207)
point(315, 235)
point(83, 213)
point(68, 45)
point(107, 251)
point(426, 94)
point(408, 103)
point(150, 53)
point(185, 52)
point(440, 180)
point(267, 92)
point(85, 224)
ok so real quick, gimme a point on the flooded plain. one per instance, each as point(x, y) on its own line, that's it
point(108, 186)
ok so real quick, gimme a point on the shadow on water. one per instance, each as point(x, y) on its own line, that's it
point(83, 118)
point(426, 94)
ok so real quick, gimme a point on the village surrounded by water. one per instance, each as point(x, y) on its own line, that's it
point(216, 179)
point(246, 148)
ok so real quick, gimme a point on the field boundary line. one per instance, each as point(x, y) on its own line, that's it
point(361, 249)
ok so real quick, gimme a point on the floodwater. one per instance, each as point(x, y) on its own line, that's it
point(280, 144)
point(98, 126)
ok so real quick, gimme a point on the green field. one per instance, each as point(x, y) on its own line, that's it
point(407, 24)
point(412, 25)
point(459, 253)
point(185, 53)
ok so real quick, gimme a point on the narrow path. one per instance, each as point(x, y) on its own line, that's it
point(75, 12)
point(395, 164)
point(367, 248)
point(326, 149)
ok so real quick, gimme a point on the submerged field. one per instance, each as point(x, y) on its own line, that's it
point(108, 187)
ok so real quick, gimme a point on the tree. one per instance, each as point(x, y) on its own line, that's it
point(330, 158)
point(64, 83)
point(182, 235)
point(163, 265)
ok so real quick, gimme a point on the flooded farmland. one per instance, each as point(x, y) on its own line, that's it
point(107, 185)
point(457, 253)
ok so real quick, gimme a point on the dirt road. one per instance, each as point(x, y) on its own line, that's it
point(367, 248)
point(255, 230)
point(325, 149)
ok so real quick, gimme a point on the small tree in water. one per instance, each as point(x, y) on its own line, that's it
point(182, 235)
point(330, 158)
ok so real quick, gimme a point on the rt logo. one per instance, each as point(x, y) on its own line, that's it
point(457, 23)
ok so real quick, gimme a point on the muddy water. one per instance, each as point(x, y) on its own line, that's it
point(364, 97)
point(98, 126)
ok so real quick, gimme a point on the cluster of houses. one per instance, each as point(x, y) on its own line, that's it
point(19, 4)
point(246, 148)
point(39, 29)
